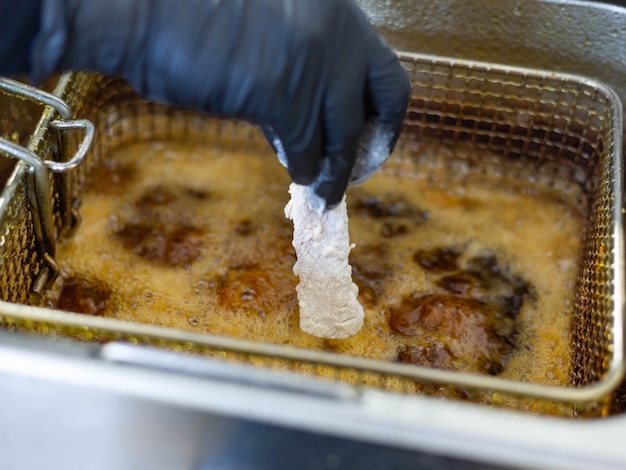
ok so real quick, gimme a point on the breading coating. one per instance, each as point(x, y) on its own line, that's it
point(329, 307)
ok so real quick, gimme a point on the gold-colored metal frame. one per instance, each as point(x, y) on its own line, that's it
point(453, 101)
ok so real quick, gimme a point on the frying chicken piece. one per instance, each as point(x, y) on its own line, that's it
point(327, 297)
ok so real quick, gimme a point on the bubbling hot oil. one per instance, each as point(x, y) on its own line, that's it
point(475, 278)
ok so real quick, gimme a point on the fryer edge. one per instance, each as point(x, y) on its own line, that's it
point(424, 426)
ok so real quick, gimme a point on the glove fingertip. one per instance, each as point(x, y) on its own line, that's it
point(332, 181)
point(317, 202)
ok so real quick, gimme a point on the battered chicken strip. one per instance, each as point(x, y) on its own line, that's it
point(327, 297)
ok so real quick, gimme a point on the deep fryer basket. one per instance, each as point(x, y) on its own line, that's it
point(544, 127)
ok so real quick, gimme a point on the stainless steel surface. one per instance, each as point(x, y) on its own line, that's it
point(66, 406)
point(81, 410)
point(580, 37)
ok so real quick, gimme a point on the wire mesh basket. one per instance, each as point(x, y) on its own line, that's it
point(553, 130)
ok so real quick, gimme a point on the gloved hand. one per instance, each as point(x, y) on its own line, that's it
point(311, 73)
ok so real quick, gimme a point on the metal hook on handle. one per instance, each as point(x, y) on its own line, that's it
point(81, 124)
point(70, 156)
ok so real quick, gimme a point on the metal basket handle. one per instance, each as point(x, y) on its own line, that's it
point(38, 186)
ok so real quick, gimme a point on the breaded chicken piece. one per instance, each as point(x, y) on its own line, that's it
point(327, 297)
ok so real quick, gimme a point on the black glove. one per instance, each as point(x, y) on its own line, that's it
point(311, 73)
